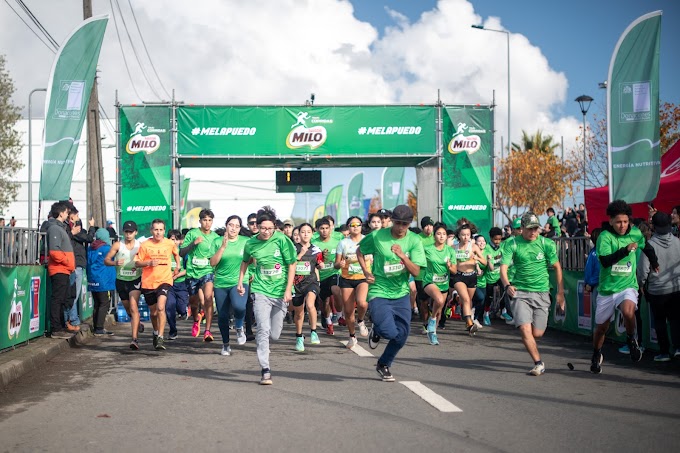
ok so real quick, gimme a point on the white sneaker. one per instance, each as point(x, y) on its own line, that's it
point(363, 330)
point(351, 342)
point(478, 324)
point(226, 350)
point(537, 370)
point(240, 336)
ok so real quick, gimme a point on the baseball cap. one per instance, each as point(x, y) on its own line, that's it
point(661, 222)
point(530, 220)
point(402, 213)
point(109, 222)
point(427, 220)
point(289, 222)
point(385, 213)
point(517, 224)
point(129, 226)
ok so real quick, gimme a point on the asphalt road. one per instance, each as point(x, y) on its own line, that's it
point(104, 397)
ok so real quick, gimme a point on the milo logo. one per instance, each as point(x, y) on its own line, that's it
point(464, 143)
point(15, 315)
point(139, 143)
point(301, 135)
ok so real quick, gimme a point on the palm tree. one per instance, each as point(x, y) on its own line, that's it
point(536, 142)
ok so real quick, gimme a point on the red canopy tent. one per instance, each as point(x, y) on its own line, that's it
point(667, 197)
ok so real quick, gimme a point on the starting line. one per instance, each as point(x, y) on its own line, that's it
point(358, 350)
point(435, 400)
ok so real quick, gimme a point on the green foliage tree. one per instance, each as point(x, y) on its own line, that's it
point(10, 141)
point(537, 142)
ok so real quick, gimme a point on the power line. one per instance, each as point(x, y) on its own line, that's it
point(37, 23)
point(120, 43)
point(30, 28)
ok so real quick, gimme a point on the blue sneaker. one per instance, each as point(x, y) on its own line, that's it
point(487, 320)
point(300, 344)
point(431, 325)
point(662, 358)
point(314, 338)
point(432, 336)
point(506, 316)
point(624, 349)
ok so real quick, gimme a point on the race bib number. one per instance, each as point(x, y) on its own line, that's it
point(327, 266)
point(354, 269)
point(303, 268)
point(273, 272)
point(128, 272)
point(622, 270)
point(462, 255)
point(202, 262)
point(440, 278)
point(393, 268)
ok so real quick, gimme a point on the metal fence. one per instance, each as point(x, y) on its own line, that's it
point(573, 252)
point(21, 246)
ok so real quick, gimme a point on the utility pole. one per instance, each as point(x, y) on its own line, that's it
point(96, 203)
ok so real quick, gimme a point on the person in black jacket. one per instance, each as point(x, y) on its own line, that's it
point(80, 239)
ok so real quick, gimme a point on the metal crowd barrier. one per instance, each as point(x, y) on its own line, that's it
point(573, 252)
point(21, 246)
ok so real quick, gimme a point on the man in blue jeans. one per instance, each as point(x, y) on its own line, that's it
point(397, 254)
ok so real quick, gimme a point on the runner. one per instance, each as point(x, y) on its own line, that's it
point(328, 275)
point(397, 252)
point(306, 284)
point(178, 297)
point(422, 299)
point(492, 274)
point(227, 263)
point(479, 297)
point(529, 289)
point(374, 221)
point(153, 257)
point(353, 286)
point(385, 218)
point(272, 283)
point(618, 286)
point(128, 277)
point(441, 263)
point(198, 247)
point(465, 278)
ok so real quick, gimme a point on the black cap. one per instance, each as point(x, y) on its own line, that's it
point(661, 222)
point(385, 213)
point(402, 213)
point(427, 220)
point(129, 226)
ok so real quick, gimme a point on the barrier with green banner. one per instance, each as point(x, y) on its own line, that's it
point(22, 304)
point(579, 316)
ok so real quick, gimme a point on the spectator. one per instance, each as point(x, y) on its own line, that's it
point(592, 275)
point(100, 279)
point(112, 231)
point(553, 220)
point(79, 240)
point(662, 288)
point(675, 222)
point(61, 263)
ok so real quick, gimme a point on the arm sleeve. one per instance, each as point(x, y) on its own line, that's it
point(649, 252)
point(288, 250)
point(506, 252)
point(613, 258)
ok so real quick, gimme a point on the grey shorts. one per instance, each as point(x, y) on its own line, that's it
point(530, 308)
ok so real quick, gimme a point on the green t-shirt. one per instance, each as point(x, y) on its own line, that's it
point(492, 277)
point(272, 257)
point(182, 263)
point(481, 279)
point(531, 260)
point(437, 270)
point(391, 276)
point(334, 235)
point(229, 266)
point(198, 261)
point(621, 275)
point(332, 246)
point(427, 241)
point(552, 220)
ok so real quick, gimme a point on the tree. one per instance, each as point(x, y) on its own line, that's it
point(10, 142)
point(535, 180)
point(376, 202)
point(412, 200)
point(536, 142)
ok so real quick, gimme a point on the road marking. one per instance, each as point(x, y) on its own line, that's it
point(358, 350)
point(437, 401)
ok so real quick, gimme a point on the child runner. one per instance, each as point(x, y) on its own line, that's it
point(306, 283)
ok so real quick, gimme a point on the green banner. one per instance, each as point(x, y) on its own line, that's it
point(70, 85)
point(355, 190)
point(85, 302)
point(346, 131)
point(145, 166)
point(467, 165)
point(332, 205)
point(22, 304)
point(392, 187)
point(633, 112)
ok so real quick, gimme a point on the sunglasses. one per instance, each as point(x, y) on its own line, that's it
point(252, 222)
point(355, 224)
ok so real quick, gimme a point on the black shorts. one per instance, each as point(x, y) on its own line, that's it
point(300, 296)
point(151, 295)
point(125, 287)
point(469, 278)
point(326, 285)
point(353, 284)
point(421, 295)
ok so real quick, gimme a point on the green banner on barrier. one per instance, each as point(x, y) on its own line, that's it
point(347, 131)
point(466, 170)
point(22, 304)
point(85, 301)
point(145, 166)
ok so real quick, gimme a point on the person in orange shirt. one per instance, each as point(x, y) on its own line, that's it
point(157, 276)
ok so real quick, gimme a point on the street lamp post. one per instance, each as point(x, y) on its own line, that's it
point(30, 158)
point(584, 103)
point(507, 35)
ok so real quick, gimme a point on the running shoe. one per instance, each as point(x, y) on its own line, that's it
point(324, 323)
point(226, 350)
point(155, 340)
point(141, 328)
point(384, 373)
point(314, 338)
point(329, 330)
point(431, 325)
point(506, 316)
point(289, 318)
point(134, 344)
point(373, 339)
point(342, 322)
point(102, 332)
point(478, 324)
point(351, 342)
point(596, 363)
point(432, 336)
point(207, 337)
point(363, 330)
point(160, 343)
point(196, 330)
point(538, 369)
point(635, 351)
point(300, 344)
point(424, 330)
point(199, 317)
point(250, 337)
point(334, 318)
point(448, 312)
point(266, 377)
point(472, 329)
point(172, 336)
point(240, 336)
point(662, 358)
point(182, 317)
point(677, 354)
point(624, 349)
point(487, 319)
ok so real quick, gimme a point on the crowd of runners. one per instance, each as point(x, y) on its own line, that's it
point(266, 272)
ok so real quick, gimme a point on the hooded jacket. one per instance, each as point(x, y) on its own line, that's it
point(100, 277)
point(61, 259)
point(667, 248)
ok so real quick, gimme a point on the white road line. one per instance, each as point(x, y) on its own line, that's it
point(358, 350)
point(437, 401)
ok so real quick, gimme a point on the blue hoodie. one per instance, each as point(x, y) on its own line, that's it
point(100, 277)
point(592, 276)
